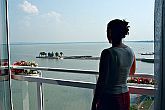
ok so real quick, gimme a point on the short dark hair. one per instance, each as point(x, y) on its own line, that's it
point(119, 29)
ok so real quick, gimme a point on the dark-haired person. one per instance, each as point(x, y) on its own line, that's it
point(116, 63)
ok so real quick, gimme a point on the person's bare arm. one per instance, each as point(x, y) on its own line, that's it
point(133, 67)
point(103, 70)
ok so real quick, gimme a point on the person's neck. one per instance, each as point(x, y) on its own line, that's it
point(117, 45)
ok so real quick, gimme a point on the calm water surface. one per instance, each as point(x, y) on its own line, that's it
point(61, 97)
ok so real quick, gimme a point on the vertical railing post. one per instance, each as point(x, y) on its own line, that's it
point(40, 96)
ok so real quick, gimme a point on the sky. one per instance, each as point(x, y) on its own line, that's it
point(51, 21)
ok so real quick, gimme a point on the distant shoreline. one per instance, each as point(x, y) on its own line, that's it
point(147, 60)
point(71, 57)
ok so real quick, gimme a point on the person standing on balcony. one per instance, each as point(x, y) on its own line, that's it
point(116, 64)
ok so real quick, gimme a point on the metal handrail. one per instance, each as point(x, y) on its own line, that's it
point(56, 69)
point(147, 90)
point(81, 84)
point(72, 83)
point(71, 70)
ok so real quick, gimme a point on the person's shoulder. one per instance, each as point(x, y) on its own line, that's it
point(107, 50)
point(106, 54)
point(127, 47)
point(130, 50)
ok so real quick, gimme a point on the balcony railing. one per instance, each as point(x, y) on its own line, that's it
point(134, 89)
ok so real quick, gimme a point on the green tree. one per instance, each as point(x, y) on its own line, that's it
point(57, 54)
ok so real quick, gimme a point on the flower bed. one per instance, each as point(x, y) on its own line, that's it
point(139, 80)
point(25, 71)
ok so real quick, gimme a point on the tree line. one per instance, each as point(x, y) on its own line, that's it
point(51, 54)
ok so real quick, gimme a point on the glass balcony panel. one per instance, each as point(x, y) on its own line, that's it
point(24, 95)
point(69, 76)
point(141, 102)
point(5, 99)
point(66, 98)
point(4, 93)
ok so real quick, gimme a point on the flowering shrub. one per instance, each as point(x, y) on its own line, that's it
point(25, 71)
point(141, 80)
point(25, 63)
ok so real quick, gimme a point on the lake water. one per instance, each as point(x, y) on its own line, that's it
point(61, 97)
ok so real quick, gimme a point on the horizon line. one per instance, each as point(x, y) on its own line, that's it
point(23, 42)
